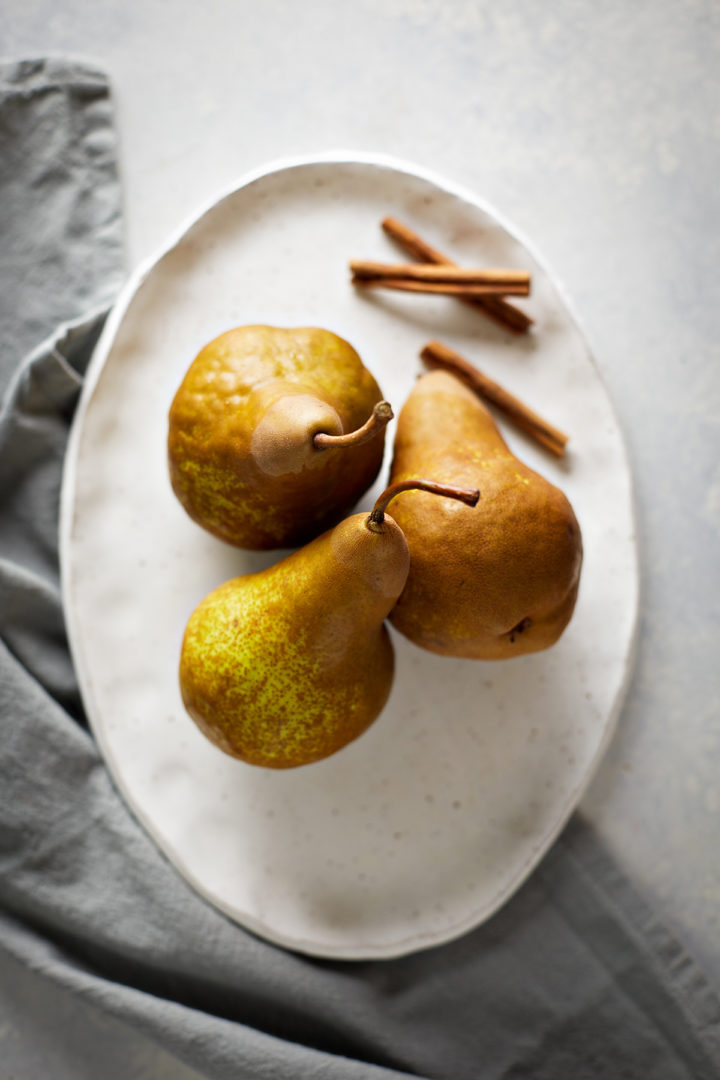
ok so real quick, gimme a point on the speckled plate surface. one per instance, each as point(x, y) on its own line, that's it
point(422, 828)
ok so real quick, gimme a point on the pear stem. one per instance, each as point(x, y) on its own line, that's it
point(376, 517)
point(382, 414)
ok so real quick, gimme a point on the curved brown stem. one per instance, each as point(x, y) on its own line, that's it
point(376, 517)
point(382, 414)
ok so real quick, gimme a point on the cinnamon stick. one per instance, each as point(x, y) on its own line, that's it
point(368, 270)
point(500, 311)
point(438, 355)
point(441, 287)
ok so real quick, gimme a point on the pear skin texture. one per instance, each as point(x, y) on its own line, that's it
point(286, 666)
point(241, 425)
point(490, 582)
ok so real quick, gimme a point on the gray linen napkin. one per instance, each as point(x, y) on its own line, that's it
point(575, 978)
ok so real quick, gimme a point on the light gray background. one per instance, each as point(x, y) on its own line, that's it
point(596, 130)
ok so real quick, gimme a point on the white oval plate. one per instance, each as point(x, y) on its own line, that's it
point(422, 828)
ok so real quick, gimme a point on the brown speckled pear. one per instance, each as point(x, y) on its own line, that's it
point(286, 666)
point(496, 582)
point(274, 434)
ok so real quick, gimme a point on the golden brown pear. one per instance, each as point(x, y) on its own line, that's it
point(274, 434)
point(494, 582)
point(286, 666)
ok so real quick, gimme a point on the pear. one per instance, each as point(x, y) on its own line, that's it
point(286, 666)
point(500, 581)
point(274, 434)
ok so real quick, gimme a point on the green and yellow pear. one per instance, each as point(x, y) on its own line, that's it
point(496, 582)
point(274, 434)
point(286, 666)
